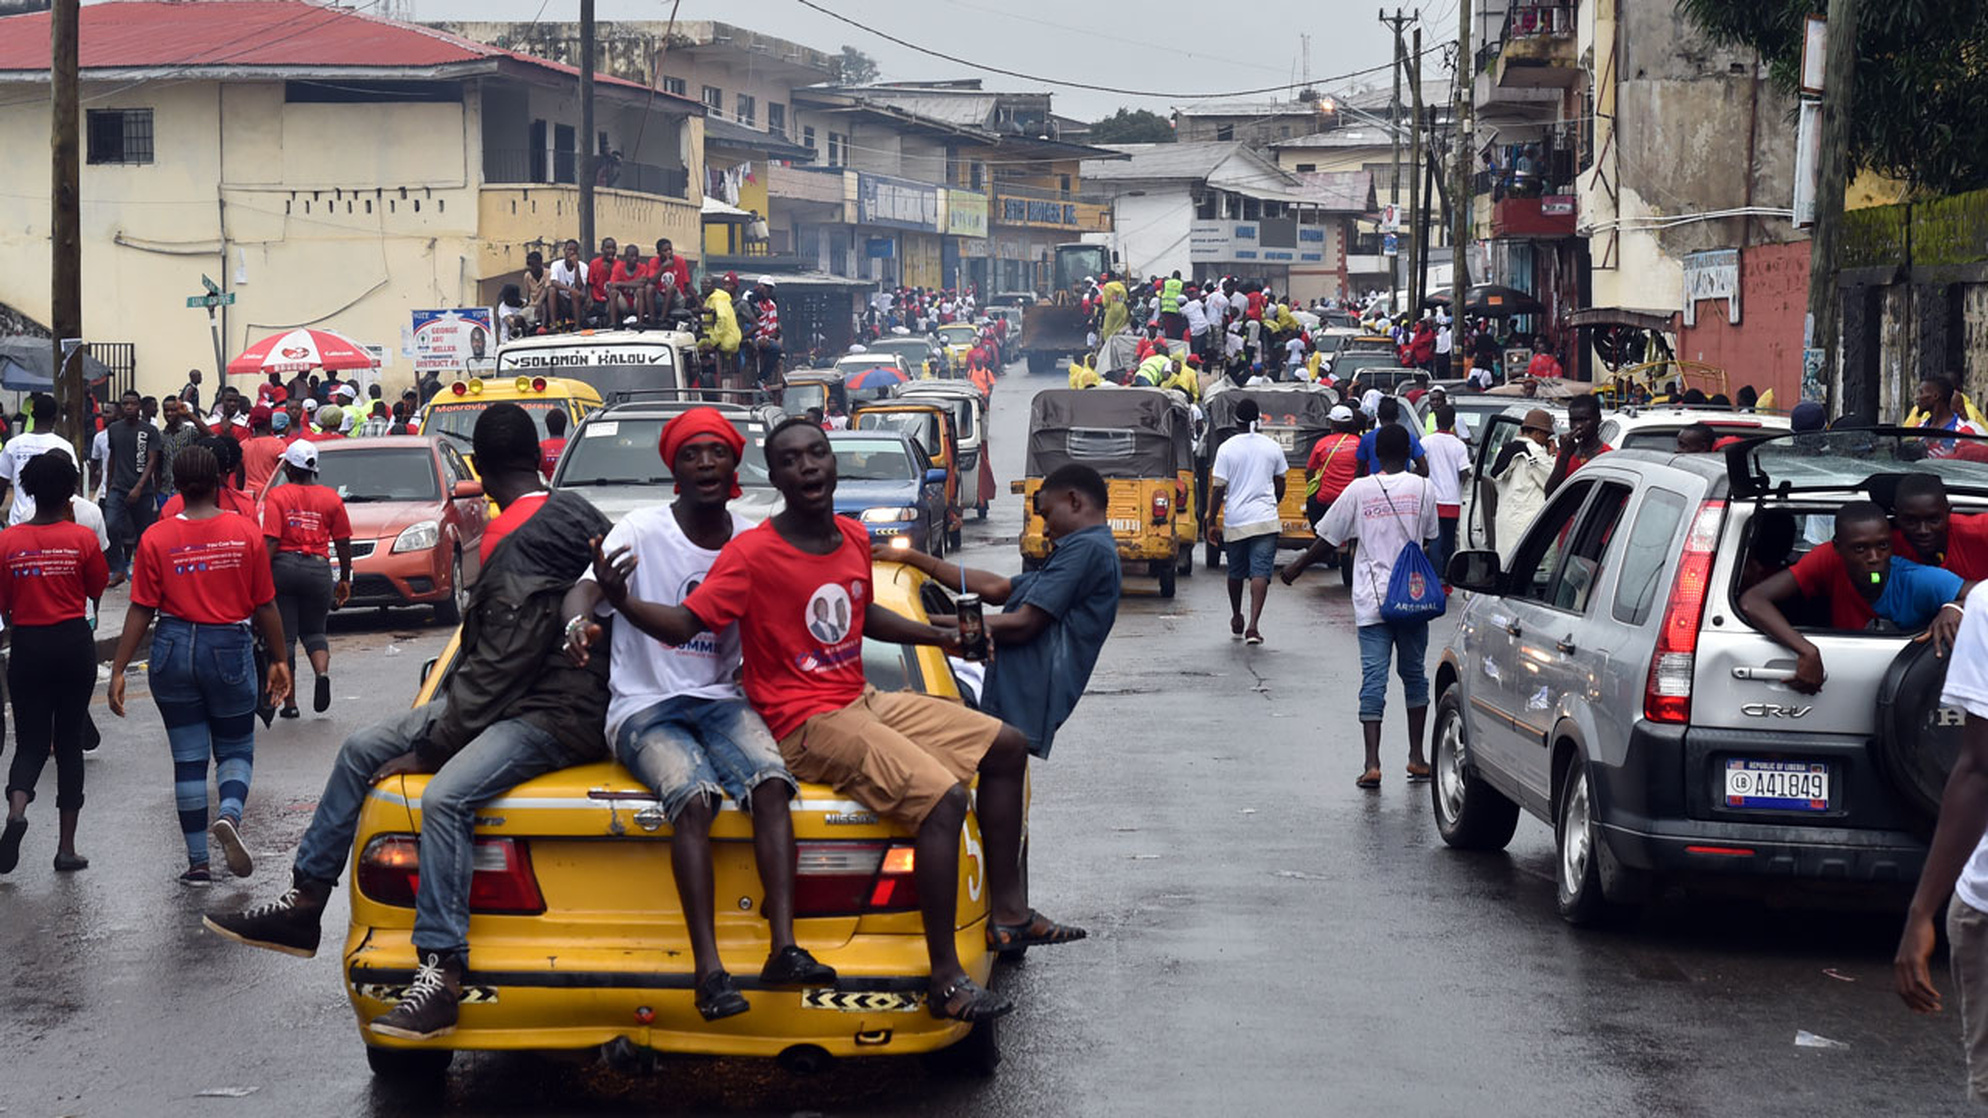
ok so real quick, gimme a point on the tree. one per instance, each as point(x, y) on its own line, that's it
point(1922, 92)
point(1132, 126)
point(853, 67)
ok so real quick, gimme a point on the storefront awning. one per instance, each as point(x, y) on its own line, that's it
point(1619, 316)
point(722, 213)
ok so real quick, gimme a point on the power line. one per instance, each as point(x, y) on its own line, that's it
point(1121, 91)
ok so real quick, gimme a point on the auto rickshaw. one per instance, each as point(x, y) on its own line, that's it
point(976, 480)
point(1141, 440)
point(1297, 416)
point(813, 388)
point(930, 423)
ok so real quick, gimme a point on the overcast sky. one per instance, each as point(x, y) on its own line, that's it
point(1178, 46)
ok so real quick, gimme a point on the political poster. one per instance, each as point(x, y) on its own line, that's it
point(454, 340)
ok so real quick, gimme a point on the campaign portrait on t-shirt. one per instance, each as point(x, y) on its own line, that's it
point(828, 614)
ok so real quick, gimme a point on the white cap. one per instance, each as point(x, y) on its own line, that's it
point(302, 454)
point(766, 281)
point(1340, 414)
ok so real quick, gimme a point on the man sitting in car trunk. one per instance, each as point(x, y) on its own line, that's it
point(1867, 588)
point(677, 718)
point(906, 756)
point(514, 707)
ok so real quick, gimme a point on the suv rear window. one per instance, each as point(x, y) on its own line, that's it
point(1643, 560)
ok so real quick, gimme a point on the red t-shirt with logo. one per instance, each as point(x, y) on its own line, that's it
point(305, 518)
point(549, 451)
point(48, 572)
point(803, 637)
point(507, 522)
point(210, 572)
point(231, 500)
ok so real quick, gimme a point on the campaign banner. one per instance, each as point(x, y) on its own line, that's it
point(454, 339)
point(896, 203)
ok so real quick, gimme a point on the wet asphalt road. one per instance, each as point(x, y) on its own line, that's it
point(1266, 939)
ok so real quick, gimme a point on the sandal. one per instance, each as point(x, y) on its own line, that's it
point(1369, 779)
point(1037, 931)
point(1236, 626)
point(1418, 773)
point(967, 1000)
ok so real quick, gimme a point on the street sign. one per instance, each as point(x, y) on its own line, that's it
point(220, 299)
point(212, 287)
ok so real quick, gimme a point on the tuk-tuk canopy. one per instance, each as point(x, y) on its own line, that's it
point(1296, 417)
point(1119, 432)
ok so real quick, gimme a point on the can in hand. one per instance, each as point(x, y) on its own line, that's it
point(972, 628)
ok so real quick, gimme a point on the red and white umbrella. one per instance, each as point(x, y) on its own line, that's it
point(301, 351)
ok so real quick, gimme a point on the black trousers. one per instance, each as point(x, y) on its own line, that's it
point(303, 598)
point(50, 676)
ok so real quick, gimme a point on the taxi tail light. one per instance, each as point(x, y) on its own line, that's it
point(853, 878)
point(1161, 503)
point(501, 881)
point(1667, 695)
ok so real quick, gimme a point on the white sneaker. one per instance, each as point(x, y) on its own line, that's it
point(229, 839)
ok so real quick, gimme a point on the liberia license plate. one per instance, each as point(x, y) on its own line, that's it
point(1122, 524)
point(1777, 785)
point(1285, 437)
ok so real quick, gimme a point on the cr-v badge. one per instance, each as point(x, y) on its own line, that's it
point(1774, 710)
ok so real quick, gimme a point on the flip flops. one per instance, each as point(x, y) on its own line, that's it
point(1371, 779)
point(1418, 774)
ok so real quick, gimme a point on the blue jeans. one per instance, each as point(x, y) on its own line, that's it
point(203, 681)
point(503, 756)
point(1444, 547)
point(1255, 557)
point(1409, 642)
point(686, 747)
point(124, 523)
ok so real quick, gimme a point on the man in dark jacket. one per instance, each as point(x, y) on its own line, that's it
point(513, 707)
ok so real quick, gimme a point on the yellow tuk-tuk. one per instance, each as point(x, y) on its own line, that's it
point(1141, 440)
point(1297, 416)
point(930, 424)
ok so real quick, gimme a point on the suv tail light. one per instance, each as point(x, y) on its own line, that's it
point(1161, 503)
point(1667, 696)
point(502, 882)
point(853, 878)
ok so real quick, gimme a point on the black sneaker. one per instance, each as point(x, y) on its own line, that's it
point(289, 924)
point(718, 998)
point(197, 877)
point(793, 966)
point(429, 1009)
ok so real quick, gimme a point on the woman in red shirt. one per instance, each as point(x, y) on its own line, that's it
point(205, 575)
point(302, 520)
point(51, 569)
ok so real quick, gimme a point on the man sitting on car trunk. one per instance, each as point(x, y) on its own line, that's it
point(906, 756)
point(514, 707)
point(1867, 588)
point(677, 718)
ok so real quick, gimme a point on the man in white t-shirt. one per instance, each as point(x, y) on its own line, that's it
point(1248, 484)
point(676, 715)
point(1956, 869)
point(21, 448)
point(1449, 460)
point(570, 298)
point(1385, 512)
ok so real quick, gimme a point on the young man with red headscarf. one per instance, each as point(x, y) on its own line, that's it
point(677, 717)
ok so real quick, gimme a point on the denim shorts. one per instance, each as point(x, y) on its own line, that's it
point(1255, 557)
point(686, 747)
point(1408, 641)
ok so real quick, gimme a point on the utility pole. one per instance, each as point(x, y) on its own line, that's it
point(1459, 198)
point(1832, 178)
point(1431, 185)
point(1395, 23)
point(1418, 253)
point(65, 318)
point(587, 243)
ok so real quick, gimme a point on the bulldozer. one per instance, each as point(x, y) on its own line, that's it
point(1058, 329)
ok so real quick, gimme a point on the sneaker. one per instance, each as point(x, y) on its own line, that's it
point(793, 966)
point(429, 1008)
point(228, 836)
point(289, 924)
point(197, 877)
point(718, 998)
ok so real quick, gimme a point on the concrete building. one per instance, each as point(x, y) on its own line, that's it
point(327, 167)
point(1256, 123)
point(1220, 208)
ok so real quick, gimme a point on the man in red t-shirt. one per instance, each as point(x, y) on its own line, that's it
point(1582, 442)
point(1927, 531)
point(597, 274)
point(799, 588)
point(1332, 464)
point(554, 443)
point(667, 261)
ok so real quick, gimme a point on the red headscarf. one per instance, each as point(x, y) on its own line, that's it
point(695, 424)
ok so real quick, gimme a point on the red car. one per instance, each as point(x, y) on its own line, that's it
point(417, 515)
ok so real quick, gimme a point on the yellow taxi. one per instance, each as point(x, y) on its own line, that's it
point(958, 338)
point(452, 412)
point(1293, 415)
point(577, 940)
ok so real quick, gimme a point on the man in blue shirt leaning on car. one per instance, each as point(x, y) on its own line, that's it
point(1054, 621)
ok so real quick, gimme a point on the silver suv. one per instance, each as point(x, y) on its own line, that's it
point(1607, 683)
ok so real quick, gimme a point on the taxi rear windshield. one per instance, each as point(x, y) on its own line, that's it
point(457, 422)
point(1852, 459)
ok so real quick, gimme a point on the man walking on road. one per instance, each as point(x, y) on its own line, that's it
point(1248, 484)
point(1385, 512)
point(130, 493)
point(514, 707)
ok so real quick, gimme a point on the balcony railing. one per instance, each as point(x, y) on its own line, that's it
point(520, 165)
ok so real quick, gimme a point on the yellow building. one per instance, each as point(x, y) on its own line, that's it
point(327, 168)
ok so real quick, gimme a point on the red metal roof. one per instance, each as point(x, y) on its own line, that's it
point(147, 34)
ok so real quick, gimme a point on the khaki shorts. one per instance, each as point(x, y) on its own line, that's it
point(1967, 935)
point(897, 752)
